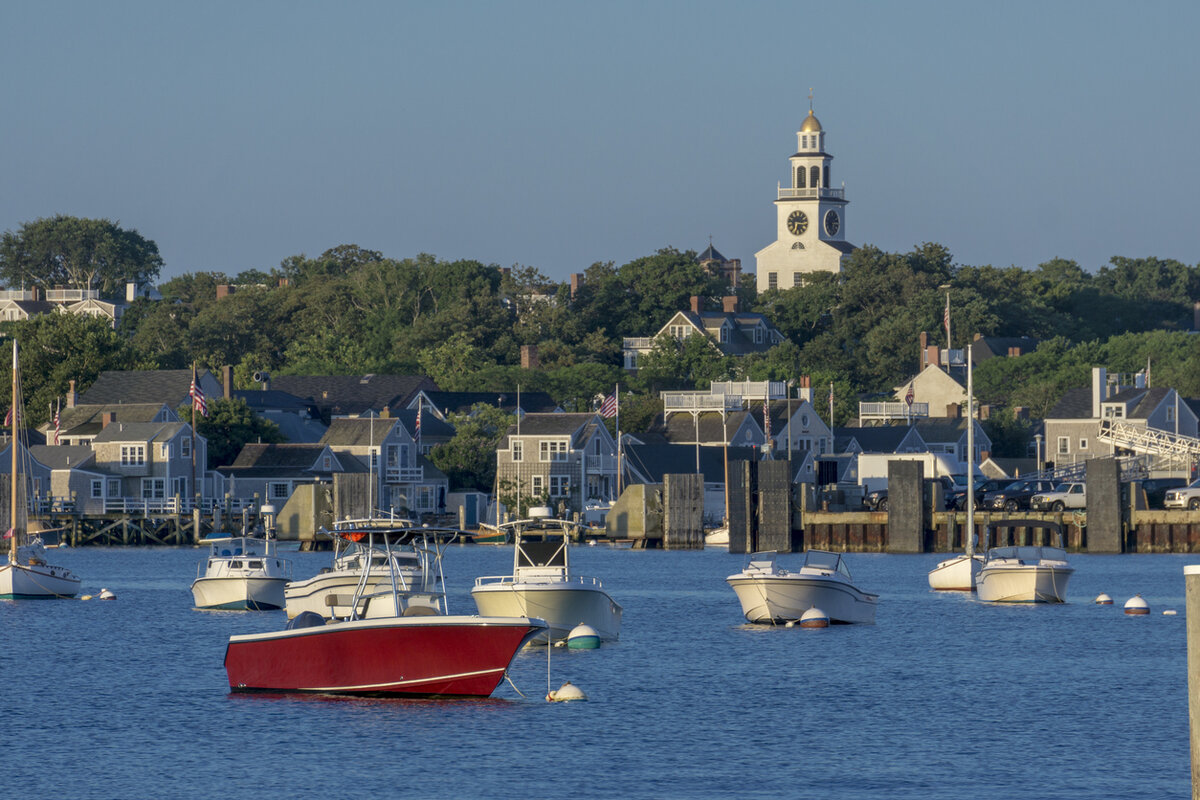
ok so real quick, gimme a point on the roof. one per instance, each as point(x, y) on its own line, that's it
point(740, 322)
point(342, 395)
point(1074, 404)
point(292, 456)
point(1139, 402)
point(652, 461)
point(64, 456)
point(681, 428)
point(940, 431)
point(168, 386)
point(462, 402)
point(876, 439)
point(139, 432)
point(985, 347)
point(88, 419)
point(558, 424)
point(711, 254)
point(260, 400)
point(811, 124)
point(358, 431)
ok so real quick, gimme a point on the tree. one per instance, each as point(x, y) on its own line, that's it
point(81, 253)
point(469, 459)
point(229, 426)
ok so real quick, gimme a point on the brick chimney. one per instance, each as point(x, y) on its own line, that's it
point(529, 356)
point(72, 395)
point(806, 388)
point(227, 379)
point(106, 418)
point(224, 290)
point(953, 411)
point(924, 341)
point(730, 304)
point(36, 293)
point(576, 282)
point(695, 304)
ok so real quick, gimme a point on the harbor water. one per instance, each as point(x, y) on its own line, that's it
point(944, 697)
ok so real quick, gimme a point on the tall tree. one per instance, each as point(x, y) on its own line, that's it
point(81, 253)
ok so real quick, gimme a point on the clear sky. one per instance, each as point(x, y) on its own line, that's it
point(558, 134)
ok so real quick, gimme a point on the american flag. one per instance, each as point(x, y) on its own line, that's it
point(198, 402)
point(767, 418)
point(946, 320)
point(609, 407)
point(908, 396)
point(418, 426)
point(57, 423)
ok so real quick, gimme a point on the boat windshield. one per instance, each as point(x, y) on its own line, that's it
point(822, 559)
point(1028, 553)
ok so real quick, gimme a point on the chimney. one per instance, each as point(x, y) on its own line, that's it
point(224, 290)
point(695, 304)
point(227, 379)
point(806, 388)
point(978, 336)
point(529, 356)
point(576, 282)
point(924, 341)
point(106, 418)
point(953, 411)
point(72, 395)
point(1099, 389)
point(36, 293)
point(130, 292)
point(932, 355)
point(730, 303)
point(1013, 352)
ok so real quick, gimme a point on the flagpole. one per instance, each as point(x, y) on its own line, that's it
point(617, 396)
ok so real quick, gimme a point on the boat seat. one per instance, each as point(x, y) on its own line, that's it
point(420, 611)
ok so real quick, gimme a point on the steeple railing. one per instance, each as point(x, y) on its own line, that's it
point(788, 193)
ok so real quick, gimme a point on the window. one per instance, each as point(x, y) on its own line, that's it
point(797, 279)
point(1114, 411)
point(1064, 445)
point(724, 334)
point(772, 280)
point(814, 174)
point(154, 488)
point(537, 484)
point(278, 491)
point(97, 489)
point(678, 331)
point(393, 455)
point(1170, 413)
point(560, 486)
point(114, 487)
point(327, 463)
point(164, 450)
point(185, 447)
point(758, 334)
point(800, 183)
point(1083, 444)
point(552, 450)
point(804, 141)
point(518, 450)
point(133, 455)
point(374, 458)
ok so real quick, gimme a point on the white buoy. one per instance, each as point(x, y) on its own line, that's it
point(566, 693)
point(583, 637)
point(814, 618)
point(106, 594)
point(1170, 612)
point(86, 597)
point(1137, 606)
point(1103, 600)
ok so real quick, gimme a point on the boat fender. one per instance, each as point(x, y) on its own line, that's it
point(1136, 606)
point(566, 693)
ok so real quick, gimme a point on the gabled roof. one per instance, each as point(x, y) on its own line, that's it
point(291, 456)
point(681, 428)
point(1140, 403)
point(82, 420)
point(986, 347)
point(140, 432)
point(274, 399)
point(876, 439)
point(572, 425)
point(341, 395)
point(358, 431)
point(64, 456)
point(461, 402)
point(942, 431)
point(739, 322)
point(31, 307)
point(652, 461)
point(1074, 404)
point(431, 426)
point(169, 386)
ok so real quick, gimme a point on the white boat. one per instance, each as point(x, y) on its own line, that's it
point(1024, 573)
point(241, 573)
point(28, 574)
point(717, 537)
point(542, 585)
point(959, 573)
point(400, 564)
point(771, 594)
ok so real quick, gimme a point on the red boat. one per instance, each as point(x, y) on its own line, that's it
point(393, 642)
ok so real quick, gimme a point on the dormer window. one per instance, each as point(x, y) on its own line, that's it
point(724, 334)
point(758, 334)
point(1113, 411)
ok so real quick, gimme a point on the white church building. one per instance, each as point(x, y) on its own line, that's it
point(810, 217)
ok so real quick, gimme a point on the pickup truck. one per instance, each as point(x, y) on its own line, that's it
point(1064, 496)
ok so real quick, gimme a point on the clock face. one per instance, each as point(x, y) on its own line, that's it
point(832, 223)
point(797, 222)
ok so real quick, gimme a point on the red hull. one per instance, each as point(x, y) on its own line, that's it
point(407, 656)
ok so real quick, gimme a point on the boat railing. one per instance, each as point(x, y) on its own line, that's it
point(500, 580)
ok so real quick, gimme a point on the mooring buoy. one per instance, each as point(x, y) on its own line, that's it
point(1137, 606)
point(814, 618)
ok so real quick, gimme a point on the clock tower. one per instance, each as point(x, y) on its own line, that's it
point(810, 217)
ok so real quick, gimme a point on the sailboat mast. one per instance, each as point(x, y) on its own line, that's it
point(12, 518)
point(970, 459)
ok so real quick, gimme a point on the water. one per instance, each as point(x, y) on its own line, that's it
point(943, 698)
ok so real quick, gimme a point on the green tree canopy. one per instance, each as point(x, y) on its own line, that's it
point(80, 253)
point(229, 426)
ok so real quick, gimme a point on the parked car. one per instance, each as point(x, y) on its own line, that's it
point(1016, 495)
point(1065, 495)
point(1156, 489)
point(957, 500)
point(1187, 497)
point(878, 499)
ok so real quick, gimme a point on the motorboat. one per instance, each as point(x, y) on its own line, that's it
point(771, 594)
point(28, 573)
point(717, 537)
point(241, 573)
point(392, 640)
point(339, 579)
point(542, 584)
point(956, 574)
point(1024, 573)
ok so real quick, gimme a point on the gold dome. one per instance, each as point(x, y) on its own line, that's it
point(811, 124)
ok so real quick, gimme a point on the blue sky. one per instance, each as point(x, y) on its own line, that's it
point(558, 134)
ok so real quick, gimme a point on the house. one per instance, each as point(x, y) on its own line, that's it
point(648, 463)
point(299, 420)
point(431, 431)
point(23, 304)
point(984, 348)
point(878, 439)
point(443, 404)
point(37, 473)
point(797, 419)
point(1073, 425)
point(932, 393)
point(949, 436)
point(567, 458)
point(730, 331)
point(170, 387)
point(706, 428)
point(353, 395)
point(269, 473)
point(151, 464)
point(385, 448)
point(79, 424)
point(76, 483)
point(18, 305)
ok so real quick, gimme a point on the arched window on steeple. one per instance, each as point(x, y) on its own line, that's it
point(815, 174)
point(800, 178)
point(826, 177)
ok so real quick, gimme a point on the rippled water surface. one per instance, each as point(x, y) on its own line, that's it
point(944, 697)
